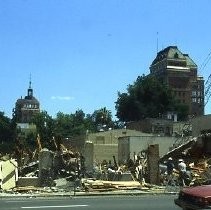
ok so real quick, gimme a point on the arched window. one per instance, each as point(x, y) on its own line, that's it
point(176, 55)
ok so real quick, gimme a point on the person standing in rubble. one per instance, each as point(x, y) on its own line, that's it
point(182, 172)
point(170, 166)
point(170, 170)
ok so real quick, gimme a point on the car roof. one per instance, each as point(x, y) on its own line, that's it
point(199, 191)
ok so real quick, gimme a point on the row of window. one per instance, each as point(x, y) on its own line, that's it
point(177, 63)
point(31, 106)
point(194, 100)
point(179, 93)
point(196, 93)
point(182, 101)
point(197, 100)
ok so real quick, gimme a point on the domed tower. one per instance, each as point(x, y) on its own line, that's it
point(27, 107)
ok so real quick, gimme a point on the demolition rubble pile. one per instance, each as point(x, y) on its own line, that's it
point(90, 185)
point(201, 171)
point(196, 157)
point(63, 170)
point(102, 185)
point(51, 169)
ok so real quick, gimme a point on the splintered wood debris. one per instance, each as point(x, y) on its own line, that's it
point(101, 185)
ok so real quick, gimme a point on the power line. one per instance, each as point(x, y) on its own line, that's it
point(205, 62)
point(207, 93)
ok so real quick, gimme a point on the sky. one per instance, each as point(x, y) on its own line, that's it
point(81, 53)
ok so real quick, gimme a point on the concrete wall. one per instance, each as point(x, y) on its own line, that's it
point(45, 166)
point(105, 152)
point(124, 150)
point(111, 137)
point(88, 154)
point(28, 181)
point(96, 153)
point(8, 174)
point(163, 127)
point(152, 162)
point(200, 124)
point(128, 146)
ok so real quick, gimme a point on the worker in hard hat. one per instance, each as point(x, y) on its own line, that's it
point(182, 172)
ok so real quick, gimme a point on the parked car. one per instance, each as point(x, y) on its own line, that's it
point(191, 198)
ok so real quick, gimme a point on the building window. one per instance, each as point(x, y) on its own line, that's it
point(176, 55)
point(194, 93)
point(194, 100)
point(199, 93)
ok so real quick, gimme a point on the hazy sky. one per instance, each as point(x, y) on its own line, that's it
point(80, 53)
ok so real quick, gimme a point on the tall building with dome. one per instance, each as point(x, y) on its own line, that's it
point(26, 107)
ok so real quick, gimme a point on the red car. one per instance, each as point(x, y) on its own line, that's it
point(191, 198)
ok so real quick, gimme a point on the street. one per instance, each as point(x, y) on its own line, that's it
point(145, 202)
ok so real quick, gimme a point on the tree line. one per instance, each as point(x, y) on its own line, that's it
point(147, 97)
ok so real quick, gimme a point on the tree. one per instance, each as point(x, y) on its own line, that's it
point(68, 125)
point(63, 124)
point(79, 126)
point(7, 133)
point(147, 97)
point(102, 118)
point(45, 127)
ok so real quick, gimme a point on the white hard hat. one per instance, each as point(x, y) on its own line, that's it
point(180, 160)
point(169, 158)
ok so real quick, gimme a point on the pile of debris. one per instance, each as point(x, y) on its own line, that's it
point(197, 158)
point(201, 171)
point(42, 168)
point(64, 170)
point(91, 185)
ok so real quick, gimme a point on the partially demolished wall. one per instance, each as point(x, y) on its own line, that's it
point(8, 174)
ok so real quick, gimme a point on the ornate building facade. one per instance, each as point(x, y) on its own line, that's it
point(179, 72)
point(26, 107)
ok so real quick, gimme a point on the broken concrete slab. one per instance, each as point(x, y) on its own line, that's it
point(8, 174)
point(28, 181)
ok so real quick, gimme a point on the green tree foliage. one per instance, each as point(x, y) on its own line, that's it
point(147, 97)
point(62, 126)
point(90, 124)
point(45, 127)
point(79, 124)
point(182, 111)
point(68, 125)
point(102, 118)
point(7, 133)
